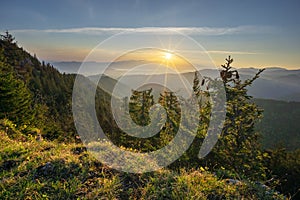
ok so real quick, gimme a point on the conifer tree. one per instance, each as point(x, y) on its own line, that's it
point(196, 85)
point(15, 98)
point(139, 106)
point(169, 101)
point(7, 37)
point(238, 148)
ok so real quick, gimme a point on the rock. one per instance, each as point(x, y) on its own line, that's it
point(39, 138)
point(46, 170)
point(233, 181)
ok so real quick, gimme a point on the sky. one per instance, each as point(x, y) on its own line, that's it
point(256, 33)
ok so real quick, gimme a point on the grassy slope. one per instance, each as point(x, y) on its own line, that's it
point(31, 169)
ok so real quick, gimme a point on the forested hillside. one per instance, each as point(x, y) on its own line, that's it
point(51, 91)
point(280, 125)
point(41, 159)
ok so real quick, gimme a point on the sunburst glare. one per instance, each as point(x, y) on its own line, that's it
point(168, 55)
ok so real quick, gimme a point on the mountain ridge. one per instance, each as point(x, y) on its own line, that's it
point(275, 82)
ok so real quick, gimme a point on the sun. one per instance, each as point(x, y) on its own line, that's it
point(168, 56)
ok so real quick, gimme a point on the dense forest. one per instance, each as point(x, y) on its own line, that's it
point(49, 104)
point(42, 155)
point(279, 126)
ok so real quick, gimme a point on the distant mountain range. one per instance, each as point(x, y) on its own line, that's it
point(274, 83)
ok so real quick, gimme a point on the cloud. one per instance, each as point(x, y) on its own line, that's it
point(208, 31)
point(234, 52)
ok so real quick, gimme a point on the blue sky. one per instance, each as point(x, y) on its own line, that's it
point(256, 33)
